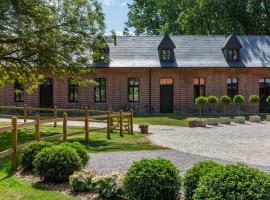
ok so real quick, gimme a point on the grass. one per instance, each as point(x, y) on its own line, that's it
point(13, 188)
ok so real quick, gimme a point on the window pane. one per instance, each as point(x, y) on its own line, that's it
point(202, 81)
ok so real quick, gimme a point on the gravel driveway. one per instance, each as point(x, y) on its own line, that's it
point(248, 143)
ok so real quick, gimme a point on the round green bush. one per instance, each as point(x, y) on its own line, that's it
point(234, 182)
point(153, 179)
point(29, 153)
point(212, 100)
point(80, 149)
point(57, 163)
point(225, 99)
point(238, 99)
point(195, 173)
point(254, 99)
point(268, 99)
point(201, 100)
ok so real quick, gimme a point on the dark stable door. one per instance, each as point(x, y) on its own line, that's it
point(264, 93)
point(166, 98)
point(46, 93)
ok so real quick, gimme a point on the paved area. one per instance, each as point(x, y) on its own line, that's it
point(248, 143)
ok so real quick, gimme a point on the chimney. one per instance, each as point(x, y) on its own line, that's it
point(114, 38)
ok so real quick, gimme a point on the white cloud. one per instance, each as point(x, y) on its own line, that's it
point(123, 4)
point(107, 2)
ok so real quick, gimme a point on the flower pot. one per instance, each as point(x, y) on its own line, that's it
point(225, 120)
point(254, 118)
point(213, 121)
point(240, 120)
point(144, 130)
point(268, 118)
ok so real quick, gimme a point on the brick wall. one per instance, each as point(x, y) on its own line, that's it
point(117, 87)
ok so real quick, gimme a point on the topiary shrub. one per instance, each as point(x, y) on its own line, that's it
point(268, 99)
point(80, 149)
point(225, 100)
point(57, 163)
point(195, 173)
point(109, 186)
point(254, 99)
point(212, 101)
point(201, 101)
point(239, 100)
point(152, 179)
point(29, 153)
point(234, 182)
point(82, 181)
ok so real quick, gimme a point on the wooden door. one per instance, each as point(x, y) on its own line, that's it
point(46, 93)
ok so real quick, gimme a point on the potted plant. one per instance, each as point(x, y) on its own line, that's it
point(225, 100)
point(201, 101)
point(254, 100)
point(268, 101)
point(144, 128)
point(239, 99)
point(212, 101)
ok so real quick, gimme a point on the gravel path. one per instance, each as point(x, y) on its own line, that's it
point(248, 143)
point(120, 161)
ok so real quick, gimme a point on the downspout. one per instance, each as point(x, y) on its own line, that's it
point(150, 90)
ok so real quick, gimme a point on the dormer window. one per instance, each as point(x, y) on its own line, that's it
point(231, 48)
point(166, 55)
point(166, 49)
point(232, 54)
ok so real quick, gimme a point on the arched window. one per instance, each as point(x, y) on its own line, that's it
point(166, 81)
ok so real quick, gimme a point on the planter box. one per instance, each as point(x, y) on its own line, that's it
point(192, 123)
point(201, 123)
point(268, 118)
point(254, 118)
point(213, 121)
point(225, 120)
point(240, 120)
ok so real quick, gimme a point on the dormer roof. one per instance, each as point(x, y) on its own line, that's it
point(232, 42)
point(166, 43)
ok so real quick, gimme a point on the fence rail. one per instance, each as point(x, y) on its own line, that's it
point(114, 121)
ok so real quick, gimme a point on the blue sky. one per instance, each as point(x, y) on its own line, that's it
point(115, 14)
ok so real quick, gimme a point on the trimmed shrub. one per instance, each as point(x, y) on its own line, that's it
point(254, 99)
point(82, 181)
point(29, 153)
point(80, 149)
point(195, 173)
point(238, 99)
point(234, 182)
point(225, 99)
point(152, 179)
point(109, 186)
point(212, 100)
point(268, 99)
point(57, 163)
point(201, 100)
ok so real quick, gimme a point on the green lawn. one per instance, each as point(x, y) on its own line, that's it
point(13, 188)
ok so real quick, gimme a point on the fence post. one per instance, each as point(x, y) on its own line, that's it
point(111, 119)
point(65, 127)
point(37, 132)
point(108, 124)
point(121, 123)
point(55, 114)
point(131, 121)
point(86, 124)
point(25, 113)
point(14, 144)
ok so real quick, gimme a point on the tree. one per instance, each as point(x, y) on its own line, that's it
point(212, 101)
point(254, 99)
point(225, 100)
point(201, 101)
point(54, 35)
point(200, 17)
point(238, 99)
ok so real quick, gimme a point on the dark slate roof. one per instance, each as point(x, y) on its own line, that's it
point(190, 51)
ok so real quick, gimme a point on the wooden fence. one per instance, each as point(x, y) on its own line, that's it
point(114, 121)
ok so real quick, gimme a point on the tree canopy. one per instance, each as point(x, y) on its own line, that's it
point(57, 35)
point(199, 17)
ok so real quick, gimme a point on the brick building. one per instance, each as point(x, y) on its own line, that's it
point(162, 74)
